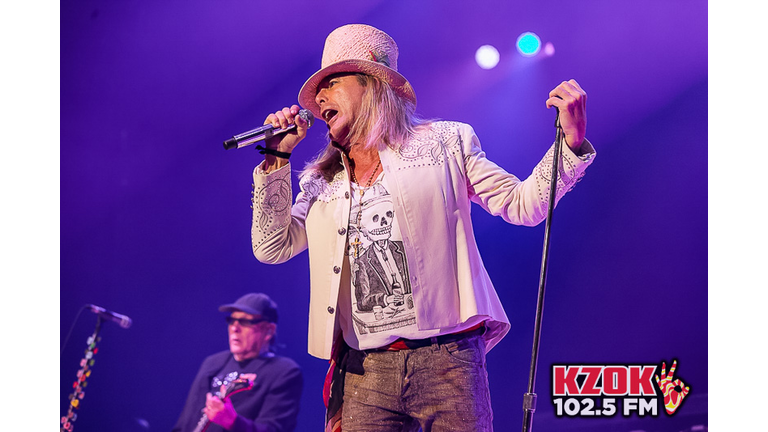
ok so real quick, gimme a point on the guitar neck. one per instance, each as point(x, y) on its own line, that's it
point(202, 425)
point(242, 383)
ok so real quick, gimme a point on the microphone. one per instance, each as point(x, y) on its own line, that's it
point(121, 320)
point(265, 132)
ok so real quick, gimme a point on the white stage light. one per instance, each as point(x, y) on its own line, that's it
point(487, 57)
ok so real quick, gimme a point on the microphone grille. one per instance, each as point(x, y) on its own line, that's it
point(126, 322)
point(307, 116)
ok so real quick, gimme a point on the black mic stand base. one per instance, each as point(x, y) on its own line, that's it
point(529, 407)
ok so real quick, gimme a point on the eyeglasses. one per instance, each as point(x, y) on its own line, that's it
point(245, 321)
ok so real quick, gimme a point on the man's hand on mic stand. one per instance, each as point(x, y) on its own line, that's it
point(285, 142)
point(571, 101)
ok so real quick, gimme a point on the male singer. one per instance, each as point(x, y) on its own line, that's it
point(400, 300)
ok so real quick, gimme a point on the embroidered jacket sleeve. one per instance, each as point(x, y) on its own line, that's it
point(503, 194)
point(277, 229)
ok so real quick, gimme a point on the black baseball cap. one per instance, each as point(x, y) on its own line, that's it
point(254, 304)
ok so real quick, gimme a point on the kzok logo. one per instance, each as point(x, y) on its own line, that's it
point(592, 390)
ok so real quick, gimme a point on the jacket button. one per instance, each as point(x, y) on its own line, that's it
point(346, 195)
point(330, 310)
point(342, 231)
point(337, 269)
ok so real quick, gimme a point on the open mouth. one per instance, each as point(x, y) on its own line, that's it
point(329, 114)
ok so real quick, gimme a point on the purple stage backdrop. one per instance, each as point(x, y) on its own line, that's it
point(155, 214)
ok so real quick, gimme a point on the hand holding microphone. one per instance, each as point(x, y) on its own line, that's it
point(281, 132)
point(273, 133)
point(302, 119)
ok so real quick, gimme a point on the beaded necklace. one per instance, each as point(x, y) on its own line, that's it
point(356, 243)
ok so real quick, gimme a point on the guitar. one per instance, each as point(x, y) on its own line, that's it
point(241, 383)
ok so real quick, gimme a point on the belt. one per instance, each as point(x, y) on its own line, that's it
point(401, 343)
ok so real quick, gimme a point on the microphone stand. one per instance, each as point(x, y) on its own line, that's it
point(67, 421)
point(529, 398)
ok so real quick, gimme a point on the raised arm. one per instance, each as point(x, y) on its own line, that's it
point(277, 227)
point(526, 202)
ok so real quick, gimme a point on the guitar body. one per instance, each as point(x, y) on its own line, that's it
point(242, 383)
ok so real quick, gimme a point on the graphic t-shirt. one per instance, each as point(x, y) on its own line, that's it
point(379, 308)
point(230, 372)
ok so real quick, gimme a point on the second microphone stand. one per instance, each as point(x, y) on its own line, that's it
point(86, 363)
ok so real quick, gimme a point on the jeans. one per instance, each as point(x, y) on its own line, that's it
point(442, 387)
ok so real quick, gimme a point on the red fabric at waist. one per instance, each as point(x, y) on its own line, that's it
point(400, 344)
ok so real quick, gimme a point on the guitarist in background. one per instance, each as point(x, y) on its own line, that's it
point(272, 405)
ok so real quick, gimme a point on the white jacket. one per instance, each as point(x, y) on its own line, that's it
point(433, 177)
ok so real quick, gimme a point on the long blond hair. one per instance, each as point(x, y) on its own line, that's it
point(385, 119)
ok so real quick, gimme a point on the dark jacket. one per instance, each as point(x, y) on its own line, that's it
point(271, 406)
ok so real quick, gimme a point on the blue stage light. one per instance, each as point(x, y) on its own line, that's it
point(528, 44)
point(487, 57)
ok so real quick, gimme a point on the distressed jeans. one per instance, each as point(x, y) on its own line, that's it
point(442, 387)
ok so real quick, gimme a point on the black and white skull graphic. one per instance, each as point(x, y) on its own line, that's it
point(378, 215)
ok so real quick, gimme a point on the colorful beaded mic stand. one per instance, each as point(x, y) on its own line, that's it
point(86, 364)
